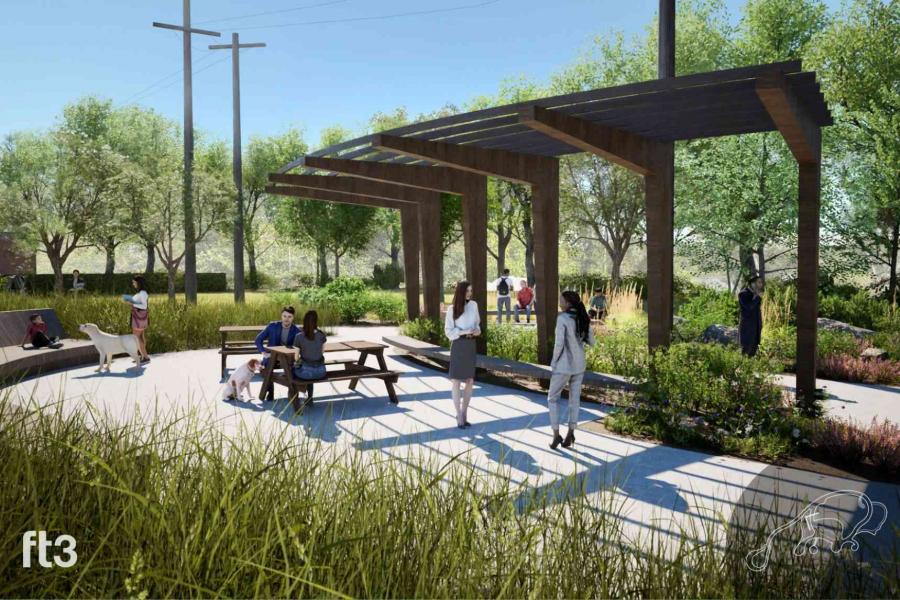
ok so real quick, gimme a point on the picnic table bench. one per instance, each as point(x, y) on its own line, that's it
point(284, 357)
point(237, 347)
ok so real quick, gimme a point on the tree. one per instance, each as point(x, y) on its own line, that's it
point(58, 183)
point(264, 155)
point(212, 206)
point(857, 60)
point(503, 213)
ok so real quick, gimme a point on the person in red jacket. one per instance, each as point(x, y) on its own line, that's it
point(37, 334)
point(524, 301)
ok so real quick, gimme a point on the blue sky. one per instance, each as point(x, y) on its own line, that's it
point(310, 75)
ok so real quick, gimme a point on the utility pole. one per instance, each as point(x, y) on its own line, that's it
point(235, 47)
point(190, 243)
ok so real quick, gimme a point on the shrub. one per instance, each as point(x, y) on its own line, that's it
point(707, 307)
point(514, 343)
point(620, 352)
point(389, 308)
point(157, 283)
point(426, 330)
point(842, 367)
point(842, 441)
point(348, 296)
point(387, 277)
point(861, 309)
point(779, 344)
point(882, 445)
point(830, 343)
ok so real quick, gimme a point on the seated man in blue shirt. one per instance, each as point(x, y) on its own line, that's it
point(276, 333)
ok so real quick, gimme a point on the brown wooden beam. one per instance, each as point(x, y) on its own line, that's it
point(789, 116)
point(621, 147)
point(432, 255)
point(338, 197)
point(352, 185)
point(659, 191)
point(545, 220)
point(474, 216)
point(409, 228)
point(809, 194)
point(513, 166)
point(441, 179)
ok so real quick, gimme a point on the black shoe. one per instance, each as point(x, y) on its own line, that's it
point(466, 424)
point(146, 359)
point(570, 439)
point(55, 345)
point(460, 425)
point(556, 441)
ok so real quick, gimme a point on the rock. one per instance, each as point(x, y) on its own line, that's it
point(676, 320)
point(874, 354)
point(832, 325)
point(720, 334)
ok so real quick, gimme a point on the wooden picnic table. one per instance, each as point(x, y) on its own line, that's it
point(284, 357)
point(244, 346)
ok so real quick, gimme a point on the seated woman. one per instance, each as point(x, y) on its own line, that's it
point(311, 343)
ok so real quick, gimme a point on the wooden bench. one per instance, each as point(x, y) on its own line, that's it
point(354, 369)
point(17, 363)
point(502, 365)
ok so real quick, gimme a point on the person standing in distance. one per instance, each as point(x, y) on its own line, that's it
point(750, 327)
point(504, 285)
point(462, 325)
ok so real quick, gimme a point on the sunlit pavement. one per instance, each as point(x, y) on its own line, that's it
point(652, 488)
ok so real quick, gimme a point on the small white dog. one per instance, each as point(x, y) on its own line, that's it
point(108, 344)
point(240, 380)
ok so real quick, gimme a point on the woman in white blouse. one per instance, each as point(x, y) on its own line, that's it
point(140, 314)
point(462, 325)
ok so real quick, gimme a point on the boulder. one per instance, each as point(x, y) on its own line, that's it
point(720, 334)
point(832, 325)
point(874, 354)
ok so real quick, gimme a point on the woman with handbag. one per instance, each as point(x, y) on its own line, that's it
point(462, 325)
point(573, 331)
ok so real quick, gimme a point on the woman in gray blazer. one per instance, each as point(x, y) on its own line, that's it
point(573, 332)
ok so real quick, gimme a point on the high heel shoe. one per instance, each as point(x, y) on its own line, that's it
point(556, 440)
point(570, 439)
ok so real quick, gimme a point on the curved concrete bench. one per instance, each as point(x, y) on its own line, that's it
point(502, 365)
point(17, 363)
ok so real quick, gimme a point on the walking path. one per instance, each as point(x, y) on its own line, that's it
point(655, 489)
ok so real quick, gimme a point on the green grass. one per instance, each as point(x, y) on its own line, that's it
point(175, 509)
point(174, 326)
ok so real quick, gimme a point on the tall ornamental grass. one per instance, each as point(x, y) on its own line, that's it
point(175, 509)
point(174, 326)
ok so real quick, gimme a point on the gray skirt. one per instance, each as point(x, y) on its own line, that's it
point(462, 358)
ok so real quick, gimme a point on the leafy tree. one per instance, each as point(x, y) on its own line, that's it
point(503, 214)
point(857, 60)
point(264, 155)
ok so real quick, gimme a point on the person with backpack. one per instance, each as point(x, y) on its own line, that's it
point(504, 285)
point(573, 332)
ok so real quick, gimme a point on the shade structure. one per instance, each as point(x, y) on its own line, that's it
point(633, 125)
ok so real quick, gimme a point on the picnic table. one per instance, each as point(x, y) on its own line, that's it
point(284, 357)
point(243, 346)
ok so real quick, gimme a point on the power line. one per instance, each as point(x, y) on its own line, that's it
point(275, 12)
point(168, 85)
point(375, 18)
point(150, 87)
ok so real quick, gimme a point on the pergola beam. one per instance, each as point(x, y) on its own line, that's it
point(512, 166)
point(352, 185)
point(621, 147)
point(439, 179)
point(330, 196)
point(789, 116)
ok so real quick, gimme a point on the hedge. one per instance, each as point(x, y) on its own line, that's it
point(157, 283)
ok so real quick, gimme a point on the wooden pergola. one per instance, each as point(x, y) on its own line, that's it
point(633, 125)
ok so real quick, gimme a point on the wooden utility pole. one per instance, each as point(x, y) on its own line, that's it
point(190, 243)
point(235, 47)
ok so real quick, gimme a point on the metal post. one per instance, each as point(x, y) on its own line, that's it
point(190, 242)
point(237, 168)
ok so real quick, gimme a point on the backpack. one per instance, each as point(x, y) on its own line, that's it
point(503, 287)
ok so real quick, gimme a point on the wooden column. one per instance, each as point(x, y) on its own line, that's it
point(545, 220)
point(409, 225)
point(659, 191)
point(807, 271)
point(430, 233)
point(474, 215)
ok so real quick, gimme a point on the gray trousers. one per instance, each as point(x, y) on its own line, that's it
point(558, 381)
point(501, 302)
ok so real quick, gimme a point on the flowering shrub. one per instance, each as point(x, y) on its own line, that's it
point(882, 445)
point(851, 443)
point(851, 368)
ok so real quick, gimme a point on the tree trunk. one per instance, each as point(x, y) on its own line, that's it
point(110, 248)
point(253, 279)
point(395, 254)
point(615, 274)
point(322, 260)
point(151, 259)
point(895, 246)
point(761, 253)
point(337, 265)
point(56, 262)
point(747, 261)
point(172, 272)
point(528, 234)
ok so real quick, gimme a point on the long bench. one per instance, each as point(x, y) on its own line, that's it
point(502, 365)
point(17, 363)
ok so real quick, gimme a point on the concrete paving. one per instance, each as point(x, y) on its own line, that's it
point(655, 489)
point(856, 401)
